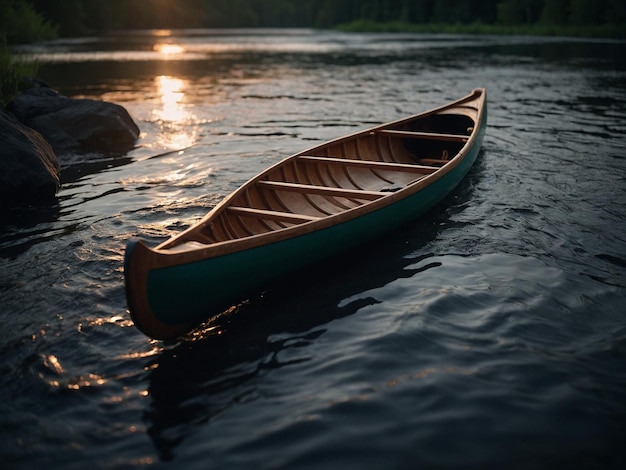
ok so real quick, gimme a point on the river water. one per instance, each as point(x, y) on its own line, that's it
point(491, 333)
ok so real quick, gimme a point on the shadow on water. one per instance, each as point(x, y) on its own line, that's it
point(26, 225)
point(23, 226)
point(200, 378)
point(73, 173)
point(215, 367)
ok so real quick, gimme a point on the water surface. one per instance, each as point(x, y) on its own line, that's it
point(488, 334)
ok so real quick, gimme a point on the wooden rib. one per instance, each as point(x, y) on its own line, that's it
point(350, 178)
point(276, 222)
point(264, 200)
point(379, 150)
point(392, 157)
point(331, 176)
point(209, 232)
point(262, 222)
point(225, 228)
point(228, 222)
point(322, 181)
point(272, 215)
point(424, 135)
point(342, 155)
point(345, 170)
point(307, 197)
point(279, 204)
point(406, 167)
point(343, 149)
point(324, 190)
point(376, 144)
point(315, 205)
point(357, 156)
point(262, 195)
point(243, 226)
point(201, 237)
point(392, 154)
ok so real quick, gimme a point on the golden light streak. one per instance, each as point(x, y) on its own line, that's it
point(168, 49)
point(54, 363)
point(162, 32)
point(177, 131)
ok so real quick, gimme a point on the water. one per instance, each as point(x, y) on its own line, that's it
point(488, 334)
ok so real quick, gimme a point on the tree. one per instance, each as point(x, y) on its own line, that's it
point(517, 12)
point(87, 16)
point(556, 12)
point(587, 12)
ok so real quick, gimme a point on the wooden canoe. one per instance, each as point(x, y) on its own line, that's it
point(307, 207)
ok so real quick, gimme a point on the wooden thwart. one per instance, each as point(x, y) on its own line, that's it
point(434, 161)
point(323, 190)
point(271, 215)
point(423, 135)
point(404, 167)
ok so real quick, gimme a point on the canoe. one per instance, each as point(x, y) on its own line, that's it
point(306, 208)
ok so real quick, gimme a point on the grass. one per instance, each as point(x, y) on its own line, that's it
point(12, 74)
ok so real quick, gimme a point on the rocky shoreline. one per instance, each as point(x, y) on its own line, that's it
point(42, 132)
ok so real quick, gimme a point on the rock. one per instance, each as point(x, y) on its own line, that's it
point(76, 126)
point(29, 169)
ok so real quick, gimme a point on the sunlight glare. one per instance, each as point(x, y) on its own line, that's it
point(162, 32)
point(168, 49)
point(171, 92)
point(175, 119)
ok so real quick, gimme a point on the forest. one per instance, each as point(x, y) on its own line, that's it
point(28, 20)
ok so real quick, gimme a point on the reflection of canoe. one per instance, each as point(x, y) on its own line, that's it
point(307, 207)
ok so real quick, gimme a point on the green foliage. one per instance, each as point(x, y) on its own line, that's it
point(586, 12)
point(555, 12)
point(19, 23)
point(12, 74)
point(514, 12)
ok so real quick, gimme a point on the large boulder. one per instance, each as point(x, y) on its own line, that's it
point(29, 169)
point(76, 126)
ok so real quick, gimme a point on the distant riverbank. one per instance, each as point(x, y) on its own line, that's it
point(609, 31)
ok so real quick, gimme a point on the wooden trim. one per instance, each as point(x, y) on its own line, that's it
point(323, 190)
point(271, 215)
point(405, 167)
point(423, 135)
point(435, 161)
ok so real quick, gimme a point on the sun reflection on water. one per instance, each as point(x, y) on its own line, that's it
point(171, 93)
point(168, 49)
point(175, 119)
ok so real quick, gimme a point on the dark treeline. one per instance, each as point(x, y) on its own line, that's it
point(75, 17)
